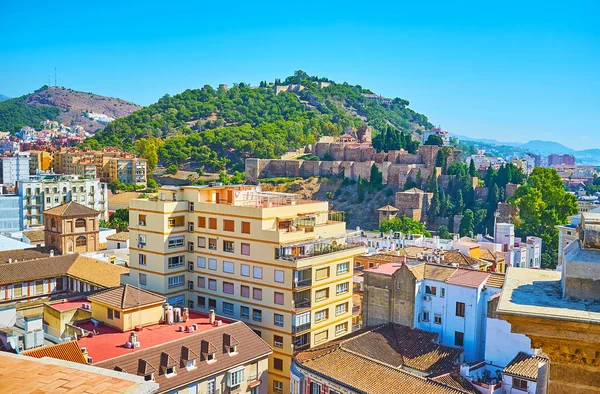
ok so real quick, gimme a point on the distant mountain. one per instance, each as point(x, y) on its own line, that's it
point(64, 105)
point(546, 147)
point(3, 98)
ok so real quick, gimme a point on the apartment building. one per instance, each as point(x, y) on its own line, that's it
point(10, 213)
point(48, 191)
point(281, 264)
point(13, 168)
point(109, 164)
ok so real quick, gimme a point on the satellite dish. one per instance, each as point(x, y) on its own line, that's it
point(258, 189)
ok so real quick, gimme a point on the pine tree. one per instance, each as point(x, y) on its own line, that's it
point(467, 226)
point(419, 179)
point(490, 176)
point(472, 171)
point(460, 204)
point(434, 207)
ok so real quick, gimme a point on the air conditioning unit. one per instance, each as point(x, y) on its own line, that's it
point(426, 298)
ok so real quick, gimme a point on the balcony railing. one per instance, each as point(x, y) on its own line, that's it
point(298, 284)
point(302, 303)
point(300, 328)
point(316, 250)
point(301, 346)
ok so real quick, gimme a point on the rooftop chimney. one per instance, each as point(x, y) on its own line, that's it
point(52, 253)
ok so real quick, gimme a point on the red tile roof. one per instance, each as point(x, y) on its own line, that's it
point(467, 277)
point(525, 366)
point(68, 351)
point(71, 209)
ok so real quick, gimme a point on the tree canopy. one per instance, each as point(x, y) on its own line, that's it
point(405, 225)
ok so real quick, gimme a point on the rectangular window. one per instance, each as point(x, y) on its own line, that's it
point(212, 284)
point(459, 338)
point(257, 293)
point(246, 227)
point(431, 290)
point(142, 259)
point(142, 220)
point(201, 222)
point(321, 315)
point(246, 249)
point(425, 316)
point(341, 308)
point(520, 384)
point(278, 364)
point(322, 294)
point(175, 242)
point(257, 272)
point(176, 261)
point(228, 246)
point(142, 279)
point(201, 302)
point(227, 287)
point(228, 225)
point(176, 281)
point(257, 315)
point(201, 262)
point(277, 341)
point(212, 223)
point(278, 298)
point(245, 291)
point(342, 268)
point(278, 386)
point(245, 270)
point(212, 264)
point(437, 318)
point(228, 308)
point(202, 242)
point(460, 309)
point(321, 336)
point(228, 267)
point(322, 273)
point(279, 276)
point(212, 243)
point(278, 320)
point(341, 288)
point(201, 282)
point(177, 221)
point(245, 312)
point(212, 303)
point(235, 377)
point(443, 292)
point(110, 313)
point(341, 328)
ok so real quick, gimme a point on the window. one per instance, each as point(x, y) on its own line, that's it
point(110, 313)
point(278, 364)
point(235, 377)
point(212, 264)
point(321, 294)
point(460, 309)
point(322, 273)
point(190, 207)
point(257, 272)
point(246, 249)
point(279, 276)
point(81, 241)
point(341, 308)
point(431, 290)
point(80, 223)
point(228, 267)
point(278, 320)
point(278, 386)
point(228, 246)
point(228, 225)
point(257, 293)
point(142, 259)
point(212, 244)
point(201, 222)
point(175, 242)
point(278, 298)
point(342, 268)
point(341, 288)
point(321, 336)
point(212, 284)
point(202, 242)
point(176, 281)
point(176, 221)
point(437, 318)
point(520, 384)
point(190, 364)
point(142, 220)
point(257, 315)
point(315, 388)
point(443, 292)
point(227, 287)
point(245, 312)
point(458, 338)
point(212, 223)
point(277, 341)
point(245, 291)
point(245, 270)
point(201, 302)
point(425, 316)
point(246, 227)
point(201, 262)
point(201, 282)
point(169, 371)
point(175, 261)
point(212, 303)
point(142, 278)
point(341, 328)
point(228, 308)
point(321, 315)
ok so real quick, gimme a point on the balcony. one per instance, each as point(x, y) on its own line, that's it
point(300, 328)
point(303, 251)
point(302, 279)
point(302, 300)
point(299, 284)
point(302, 342)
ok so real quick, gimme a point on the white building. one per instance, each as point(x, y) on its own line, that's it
point(48, 191)
point(439, 132)
point(14, 168)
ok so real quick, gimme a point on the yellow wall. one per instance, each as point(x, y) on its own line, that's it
point(57, 319)
point(129, 318)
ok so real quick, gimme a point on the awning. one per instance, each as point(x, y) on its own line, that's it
point(254, 383)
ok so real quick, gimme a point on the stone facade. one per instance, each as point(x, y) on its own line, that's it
point(413, 203)
point(72, 233)
point(385, 302)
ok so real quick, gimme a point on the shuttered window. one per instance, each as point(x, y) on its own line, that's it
point(246, 227)
point(228, 225)
point(202, 222)
point(228, 287)
point(322, 273)
point(321, 336)
point(279, 298)
point(18, 290)
point(212, 223)
point(39, 287)
point(245, 291)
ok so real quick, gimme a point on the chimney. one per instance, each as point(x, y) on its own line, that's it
point(212, 317)
point(9, 260)
point(52, 253)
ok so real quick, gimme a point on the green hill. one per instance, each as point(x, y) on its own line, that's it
point(219, 128)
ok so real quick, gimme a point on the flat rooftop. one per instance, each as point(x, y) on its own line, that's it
point(69, 305)
point(109, 342)
point(538, 293)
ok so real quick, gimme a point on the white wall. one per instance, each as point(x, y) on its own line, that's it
point(508, 389)
point(502, 345)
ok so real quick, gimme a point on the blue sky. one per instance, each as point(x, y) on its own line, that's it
point(513, 71)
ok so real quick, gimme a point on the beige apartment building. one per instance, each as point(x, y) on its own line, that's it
point(280, 264)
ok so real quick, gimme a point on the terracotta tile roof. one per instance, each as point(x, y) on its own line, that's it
point(458, 382)
point(463, 260)
point(122, 236)
point(495, 280)
point(71, 209)
point(250, 347)
point(69, 351)
point(525, 366)
point(34, 235)
point(388, 208)
point(125, 297)
point(24, 254)
point(95, 271)
point(467, 277)
point(365, 375)
point(495, 257)
point(438, 272)
point(418, 270)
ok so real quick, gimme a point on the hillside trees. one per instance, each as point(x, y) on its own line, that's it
point(405, 225)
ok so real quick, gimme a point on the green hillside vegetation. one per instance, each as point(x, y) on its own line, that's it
point(218, 129)
point(14, 114)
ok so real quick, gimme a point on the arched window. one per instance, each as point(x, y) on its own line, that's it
point(80, 223)
point(81, 241)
